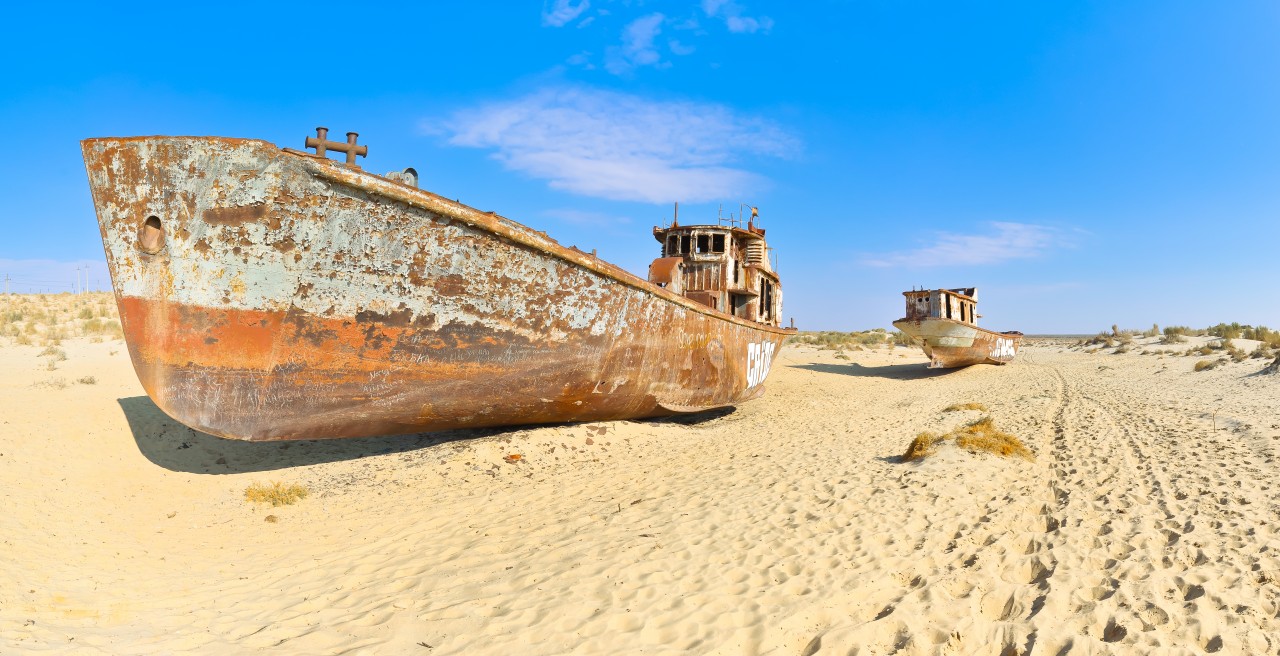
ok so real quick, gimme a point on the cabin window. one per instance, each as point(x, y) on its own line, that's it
point(684, 244)
point(704, 243)
point(717, 244)
point(673, 245)
point(736, 264)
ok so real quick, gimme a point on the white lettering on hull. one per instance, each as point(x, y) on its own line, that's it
point(759, 358)
point(1004, 349)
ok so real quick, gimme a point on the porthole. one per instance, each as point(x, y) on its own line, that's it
point(151, 235)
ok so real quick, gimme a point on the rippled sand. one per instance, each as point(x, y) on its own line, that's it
point(788, 526)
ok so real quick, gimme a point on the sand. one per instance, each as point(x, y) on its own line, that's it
point(787, 526)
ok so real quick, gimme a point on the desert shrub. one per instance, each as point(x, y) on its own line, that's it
point(275, 493)
point(53, 352)
point(1154, 331)
point(87, 380)
point(1226, 330)
point(1205, 365)
point(1172, 338)
point(86, 313)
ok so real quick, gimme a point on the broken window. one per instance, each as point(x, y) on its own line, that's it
point(704, 243)
point(684, 244)
point(717, 244)
point(673, 245)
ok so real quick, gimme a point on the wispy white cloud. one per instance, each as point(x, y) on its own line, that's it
point(733, 15)
point(678, 48)
point(1004, 242)
point(637, 47)
point(582, 59)
point(559, 12)
point(622, 147)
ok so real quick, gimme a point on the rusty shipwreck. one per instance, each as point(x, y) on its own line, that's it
point(271, 294)
point(945, 323)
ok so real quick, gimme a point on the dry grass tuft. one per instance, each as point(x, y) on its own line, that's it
point(1205, 365)
point(924, 444)
point(956, 407)
point(275, 493)
point(981, 435)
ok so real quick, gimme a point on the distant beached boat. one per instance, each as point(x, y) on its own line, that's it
point(944, 323)
point(271, 294)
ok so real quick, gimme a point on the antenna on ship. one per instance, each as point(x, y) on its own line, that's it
point(675, 218)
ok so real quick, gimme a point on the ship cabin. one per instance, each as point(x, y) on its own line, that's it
point(725, 267)
point(956, 304)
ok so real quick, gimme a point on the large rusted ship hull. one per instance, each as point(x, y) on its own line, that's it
point(949, 343)
point(270, 294)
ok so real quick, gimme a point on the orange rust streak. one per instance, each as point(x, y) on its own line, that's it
point(257, 340)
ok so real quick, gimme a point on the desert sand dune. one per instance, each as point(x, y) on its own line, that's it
point(1146, 523)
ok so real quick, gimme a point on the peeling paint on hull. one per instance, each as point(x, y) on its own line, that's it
point(293, 298)
point(950, 343)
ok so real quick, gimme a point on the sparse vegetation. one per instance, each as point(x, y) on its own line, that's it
point(275, 493)
point(55, 353)
point(87, 380)
point(49, 319)
point(836, 341)
point(978, 436)
point(1205, 365)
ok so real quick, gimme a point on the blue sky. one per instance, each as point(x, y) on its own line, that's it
point(1083, 163)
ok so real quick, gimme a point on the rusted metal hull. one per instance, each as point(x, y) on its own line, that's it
point(950, 343)
point(293, 298)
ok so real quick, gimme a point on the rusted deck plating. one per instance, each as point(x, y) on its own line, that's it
point(280, 295)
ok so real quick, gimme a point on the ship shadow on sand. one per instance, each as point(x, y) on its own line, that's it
point(169, 444)
point(911, 371)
